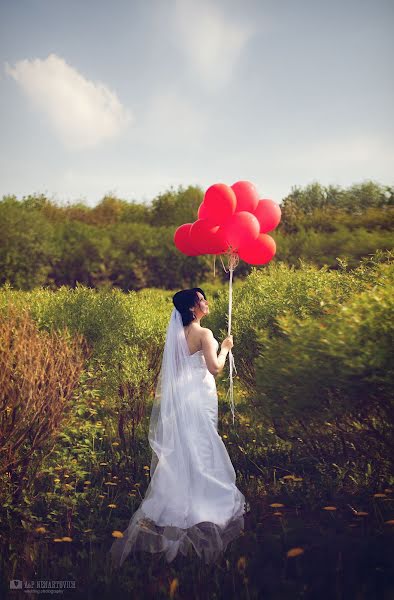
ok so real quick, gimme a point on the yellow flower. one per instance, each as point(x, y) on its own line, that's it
point(57, 539)
point(288, 477)
point(57, 480)
point(115, 443)
point(329, 507)
point(117, 534)
point(110, 483)
point(87, 483)
point(295, 552)
point(276, 505)
point(173, 587)
point(40, 529)
point(111, 505)
point(67, 539)
point(225, 436)
point(241, 564)
point(146, 467)
point(101, 496)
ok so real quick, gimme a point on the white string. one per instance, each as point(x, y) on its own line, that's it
point(233, 261)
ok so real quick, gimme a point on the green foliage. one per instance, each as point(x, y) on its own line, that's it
point(27, 245)
point(130, 245)
point(176, 207)
point(278, 290)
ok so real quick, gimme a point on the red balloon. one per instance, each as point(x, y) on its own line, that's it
point(202, 211)
point(219, 244)
point(260, 251)
point(240, 229)
point(219, 203)
point(203, 236)
point(247, 196)
point(268, 214)
point(182, 240)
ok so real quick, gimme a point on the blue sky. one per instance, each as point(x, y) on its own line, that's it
point(132, 97)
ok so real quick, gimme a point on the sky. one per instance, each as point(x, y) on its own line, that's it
point(135, 97)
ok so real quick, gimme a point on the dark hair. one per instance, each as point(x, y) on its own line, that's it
point(184, 301)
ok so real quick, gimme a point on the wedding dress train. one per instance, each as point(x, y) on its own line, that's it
point(192, 501)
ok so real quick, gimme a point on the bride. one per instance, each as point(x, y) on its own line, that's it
point(192, 500)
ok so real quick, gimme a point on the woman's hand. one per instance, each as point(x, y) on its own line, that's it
point(227, 343)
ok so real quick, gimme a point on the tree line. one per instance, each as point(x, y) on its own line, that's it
point(129, 244)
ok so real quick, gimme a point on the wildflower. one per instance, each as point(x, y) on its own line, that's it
point(57, 539)
point(117, 534)
point(67, 539)
point(40, 530)
point(146, 468)
point(329, 508)
point(241, 564)
point(87, 483)
point(115, 443)
point(57, 480)
point(111, 505)
point(294, 552)
point(276, 505)
point(173, 587)
point(225, 436)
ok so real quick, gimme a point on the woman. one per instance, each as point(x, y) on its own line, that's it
point(192, 501)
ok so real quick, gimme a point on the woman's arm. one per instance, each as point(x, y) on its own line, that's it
point(215, 363)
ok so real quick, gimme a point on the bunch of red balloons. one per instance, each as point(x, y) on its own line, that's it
point(232, 219)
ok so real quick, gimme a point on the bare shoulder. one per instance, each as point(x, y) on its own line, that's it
point(206, 332)
point(206, 335)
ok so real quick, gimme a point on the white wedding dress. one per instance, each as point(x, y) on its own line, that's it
point(192, 500)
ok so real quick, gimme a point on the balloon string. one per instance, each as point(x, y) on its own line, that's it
point(233, 260)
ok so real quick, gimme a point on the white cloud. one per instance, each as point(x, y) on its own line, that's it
point(82, 112)
point(211, 41)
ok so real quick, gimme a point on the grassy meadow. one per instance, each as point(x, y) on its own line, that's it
point(312, 443)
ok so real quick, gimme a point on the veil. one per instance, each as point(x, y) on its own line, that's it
point(169, 517)
point(174, 412)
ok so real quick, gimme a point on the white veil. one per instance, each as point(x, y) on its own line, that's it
point(179, 426)
point(172, 415)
